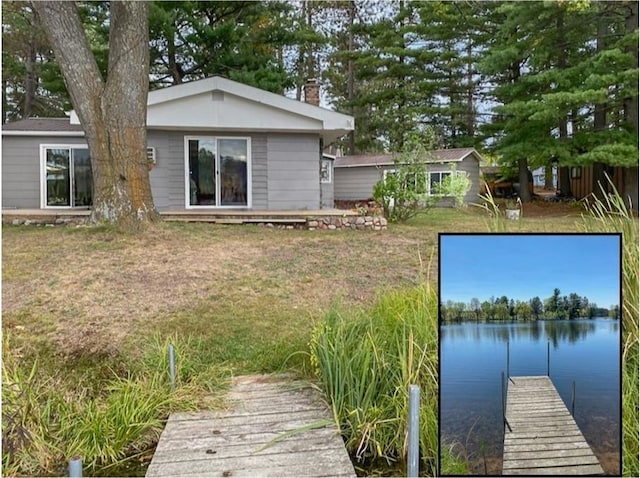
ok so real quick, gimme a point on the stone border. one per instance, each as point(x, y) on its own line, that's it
point(373, 223)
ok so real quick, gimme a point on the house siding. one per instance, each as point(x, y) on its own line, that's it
point(21, 168)
point(357, 183)
point(284, 169)
point(293, 180)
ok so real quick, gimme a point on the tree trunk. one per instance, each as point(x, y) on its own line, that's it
point(112, 113)
point(599, 183)
point(548, 177)
point(564, 180)
point(351, 75)
point(630, 175)
point(31, 81)
point(523, 178)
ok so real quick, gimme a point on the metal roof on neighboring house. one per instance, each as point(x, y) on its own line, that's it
point(436, 156)
point(42, 126)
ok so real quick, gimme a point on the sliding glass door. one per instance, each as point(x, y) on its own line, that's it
point(218, 171)
point(68, 177)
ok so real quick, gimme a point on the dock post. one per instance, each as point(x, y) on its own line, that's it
point(172, 366)
point(414, 426)
point(75, 467)
point(573, 397)
point(502, 397)
point(507, 359)
point(548, 348)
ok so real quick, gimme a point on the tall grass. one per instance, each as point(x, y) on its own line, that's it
point(50, 416)
point(365, 361)
point(612, 215)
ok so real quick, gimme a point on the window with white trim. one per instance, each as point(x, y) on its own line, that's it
point(67, 178)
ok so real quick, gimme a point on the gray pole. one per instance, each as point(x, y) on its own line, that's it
point(172, 366)
point(573, 397)
point(414, 427)
point(508, 359)
point(75, 467)
point(548, 370)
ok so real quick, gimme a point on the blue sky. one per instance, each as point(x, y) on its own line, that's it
point(490, 265)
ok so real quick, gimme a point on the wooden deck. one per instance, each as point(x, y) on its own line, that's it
point(272, 428)
point(542, 438)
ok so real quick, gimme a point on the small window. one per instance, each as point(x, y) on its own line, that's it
point(325, 171)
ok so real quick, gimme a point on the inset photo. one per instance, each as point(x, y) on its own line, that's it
point(530, 361)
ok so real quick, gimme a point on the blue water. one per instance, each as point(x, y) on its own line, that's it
point(474, 355)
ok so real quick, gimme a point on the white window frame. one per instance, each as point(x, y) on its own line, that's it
point(329, 178)
point(43, 173)
point(429, 173)
point(151, 155)
point(187, 185)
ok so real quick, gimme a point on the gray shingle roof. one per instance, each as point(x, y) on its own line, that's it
point(42, 124)
point(439, 155)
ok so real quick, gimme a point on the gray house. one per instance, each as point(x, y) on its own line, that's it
point(355, 176)
point(213, 144)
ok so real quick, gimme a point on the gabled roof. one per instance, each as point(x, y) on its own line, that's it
point(217, 103)
point(436, 156)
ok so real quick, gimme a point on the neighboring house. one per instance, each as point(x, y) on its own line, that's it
point(212, 144)
point(355, 176)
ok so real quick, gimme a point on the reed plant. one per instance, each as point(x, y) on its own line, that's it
point(49, 416)
point(611, 214)
point(365, 361)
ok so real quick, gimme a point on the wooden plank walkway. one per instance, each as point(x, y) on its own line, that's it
point(544, 439)
point(259, 435)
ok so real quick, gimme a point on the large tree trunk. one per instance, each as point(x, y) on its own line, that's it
point(112, 113)
point(523, 178)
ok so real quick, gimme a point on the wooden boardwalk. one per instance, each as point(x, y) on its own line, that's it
point(261, 434)
point(542, 438)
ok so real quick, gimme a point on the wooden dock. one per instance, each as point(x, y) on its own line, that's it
point(273, 427)
point(541, 437)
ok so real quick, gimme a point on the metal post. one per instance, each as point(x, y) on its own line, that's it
point(75, 467)
point(414, 426)
point(172, 366)
point(507, 360)
point(573, 397)
point(502, 397)
point(548, 348)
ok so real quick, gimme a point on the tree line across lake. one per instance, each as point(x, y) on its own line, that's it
point(557, 306)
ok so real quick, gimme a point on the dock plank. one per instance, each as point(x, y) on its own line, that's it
point(263, 432)
point(542, 438)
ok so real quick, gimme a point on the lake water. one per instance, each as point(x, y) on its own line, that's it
point(472, 356)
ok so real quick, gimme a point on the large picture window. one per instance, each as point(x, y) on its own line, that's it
point(67, 180)
point(218, 171)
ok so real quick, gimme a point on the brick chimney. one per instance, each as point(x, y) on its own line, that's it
point(312, 92)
